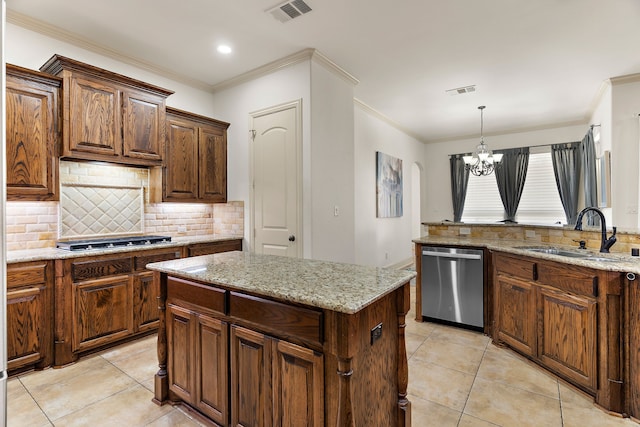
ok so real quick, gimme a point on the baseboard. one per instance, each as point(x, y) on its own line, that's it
point(402, 264)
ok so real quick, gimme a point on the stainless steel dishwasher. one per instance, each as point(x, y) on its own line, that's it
point(452, 285)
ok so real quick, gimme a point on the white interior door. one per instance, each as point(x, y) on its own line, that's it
point(276, 166)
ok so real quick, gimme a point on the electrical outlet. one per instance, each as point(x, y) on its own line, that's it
point(376, 333)
point(465, 231)
point(530, 234)
point(386, 255)
point(182, 229)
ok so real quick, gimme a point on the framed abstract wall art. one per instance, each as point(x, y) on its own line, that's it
point(388, 186)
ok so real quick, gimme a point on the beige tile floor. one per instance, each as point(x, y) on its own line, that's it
point(456, 378)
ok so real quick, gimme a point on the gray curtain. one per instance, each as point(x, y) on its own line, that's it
point(588, 155)
point(459, 181)
point(566, 168)
point(511, 173)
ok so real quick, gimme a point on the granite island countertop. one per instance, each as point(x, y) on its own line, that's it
point(45, 254)
point(615, 261)
point(344, 288)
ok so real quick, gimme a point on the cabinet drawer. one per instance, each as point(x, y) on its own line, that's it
point(294, 321)
point(26, 275)
point(85, 270)
point(569, 278)
point(197, 294)
point(521, 268)
point(140, 261)
point(214, 248)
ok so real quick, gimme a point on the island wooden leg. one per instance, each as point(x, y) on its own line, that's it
point(404, 405)
point(161, 385)
point(345, 408)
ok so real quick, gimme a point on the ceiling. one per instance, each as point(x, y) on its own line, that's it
point(534, 64)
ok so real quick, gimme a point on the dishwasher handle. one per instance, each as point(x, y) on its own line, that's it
point(452, 255)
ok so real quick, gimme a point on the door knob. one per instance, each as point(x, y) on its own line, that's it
point(292, 238)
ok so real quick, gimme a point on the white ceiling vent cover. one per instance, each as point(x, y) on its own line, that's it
point(289, 10)
point(461, 90)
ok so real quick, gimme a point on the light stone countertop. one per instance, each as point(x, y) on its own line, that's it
point(620, 262)
point(344, 288)
point(53, 253)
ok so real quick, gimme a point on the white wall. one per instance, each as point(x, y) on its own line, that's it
point(625, 153)
point(235, 104)
point(377, 237)
point(332, 165)
point(438, 206)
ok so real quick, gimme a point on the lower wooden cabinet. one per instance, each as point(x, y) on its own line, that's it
point(564, 317)
point(516, 313)
point(198, 361)
point(568, 335)
point(234, 374)
point(102, 311)
point(29, 315)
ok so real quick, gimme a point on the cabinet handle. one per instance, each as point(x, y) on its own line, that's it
point(595, 286)
point(631, 277)
point(535, 271)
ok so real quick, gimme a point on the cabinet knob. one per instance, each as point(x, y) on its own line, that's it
point(292, 238)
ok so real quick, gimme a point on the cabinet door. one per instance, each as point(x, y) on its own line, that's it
point(212, 185)
point(212, 368)
point(180, 350)
point(26, 322)
point(298, 386)
point(94, 118)
point(515, 313)
point(145, 302)
point(102, 311)
point(32, 140)
point(567, 336)
point(143, 126)
point(181, 173)
point(250, 378)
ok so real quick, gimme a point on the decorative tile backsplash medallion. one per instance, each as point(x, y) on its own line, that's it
point(92, 211)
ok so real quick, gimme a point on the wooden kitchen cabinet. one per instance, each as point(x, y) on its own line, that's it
point(29, 314)
point(108, 116)
point(32, 134)
point(565, 317)
point(102, 300)
point(516, 313)
point(568, 335)
point(209, 248)
point(196, 159)
point(214, 354)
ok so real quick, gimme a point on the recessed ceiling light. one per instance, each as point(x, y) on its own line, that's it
point(224, 49)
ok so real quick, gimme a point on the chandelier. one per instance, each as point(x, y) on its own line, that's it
point(483, 161)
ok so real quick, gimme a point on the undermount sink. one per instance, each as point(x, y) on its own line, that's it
point(567, 253)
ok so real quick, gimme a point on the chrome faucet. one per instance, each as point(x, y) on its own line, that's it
point(605, 243)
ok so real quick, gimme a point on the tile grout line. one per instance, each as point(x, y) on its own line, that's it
point(35, 401)
point(475, 375)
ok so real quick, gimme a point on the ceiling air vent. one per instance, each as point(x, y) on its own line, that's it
point(461, 90)
point(290, 10)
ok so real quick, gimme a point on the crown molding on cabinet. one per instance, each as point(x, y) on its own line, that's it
point(629, 78)
point(63, 35)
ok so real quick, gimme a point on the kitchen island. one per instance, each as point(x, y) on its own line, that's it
point(249, 339)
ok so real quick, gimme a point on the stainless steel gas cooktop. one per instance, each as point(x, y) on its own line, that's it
point(81, 245)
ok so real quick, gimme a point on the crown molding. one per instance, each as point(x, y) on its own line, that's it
point(368, 109)
point(629, 78)
point(63, 35)
point(321, 59)
point(278, 64)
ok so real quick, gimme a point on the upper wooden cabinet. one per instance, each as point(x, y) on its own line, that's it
point(196, 159)
point(32, 132)
point(108, 116)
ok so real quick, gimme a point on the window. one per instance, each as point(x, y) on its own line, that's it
point(540, 202)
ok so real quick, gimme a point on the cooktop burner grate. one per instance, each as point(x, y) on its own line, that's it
point(80, 245)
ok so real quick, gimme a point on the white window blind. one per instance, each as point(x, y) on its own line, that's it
point(540, 202)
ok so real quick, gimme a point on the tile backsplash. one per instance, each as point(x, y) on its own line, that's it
point(32, 225)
